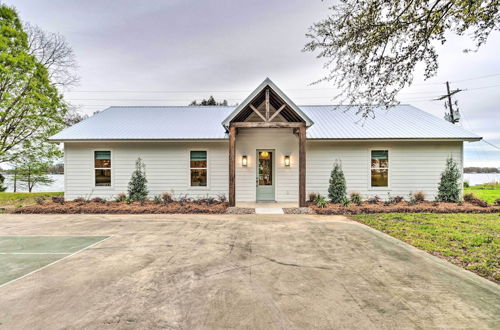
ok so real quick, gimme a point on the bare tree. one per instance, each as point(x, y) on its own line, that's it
point(54, 53)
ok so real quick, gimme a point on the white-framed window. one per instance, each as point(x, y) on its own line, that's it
point(198, 168)
point(102, 168)
point(379, 170)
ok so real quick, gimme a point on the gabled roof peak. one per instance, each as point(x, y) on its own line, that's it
point(268, 83)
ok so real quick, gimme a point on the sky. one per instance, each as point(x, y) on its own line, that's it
point(171, 52)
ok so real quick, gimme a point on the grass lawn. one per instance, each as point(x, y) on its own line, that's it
point(486, 192)
point(471, 241)
point(10, 199)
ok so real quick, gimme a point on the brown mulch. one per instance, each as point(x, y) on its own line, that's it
point(121, 208)
point(404, 207)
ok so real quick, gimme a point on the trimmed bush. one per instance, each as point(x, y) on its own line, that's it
point(337, 188)
point(449, 189)
point(137, 188)
point(356, 198)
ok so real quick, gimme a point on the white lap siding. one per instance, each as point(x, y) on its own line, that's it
point(167, 168)
point(413, 166)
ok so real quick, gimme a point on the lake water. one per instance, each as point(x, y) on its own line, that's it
point(58, 184)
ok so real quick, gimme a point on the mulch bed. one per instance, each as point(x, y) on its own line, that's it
point(404, 207)
point(121, 208)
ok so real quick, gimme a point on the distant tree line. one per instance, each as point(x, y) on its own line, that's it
point(209, 101)
point(481, 170)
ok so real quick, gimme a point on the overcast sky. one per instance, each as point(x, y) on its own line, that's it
point(146, 50)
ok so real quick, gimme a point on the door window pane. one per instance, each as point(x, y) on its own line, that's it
point(265, 168)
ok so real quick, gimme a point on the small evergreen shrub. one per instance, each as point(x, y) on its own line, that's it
point(137, 187)
point(337, 188)
point(466, 184)
point(157, 199)
point(98, 200)
point(356, 198)
point(40, 200)
point(449, 189)
point(497, 202)
point(2, 180)
point(312, 197)
point(468, 197)
point(321, 201)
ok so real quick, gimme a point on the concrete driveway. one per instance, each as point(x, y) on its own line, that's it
point(254, 272)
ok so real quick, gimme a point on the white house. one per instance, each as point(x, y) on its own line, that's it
point(265, 149)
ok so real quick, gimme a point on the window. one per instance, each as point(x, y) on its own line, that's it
point(198, 168)
point(102, 167)
point(380, 168)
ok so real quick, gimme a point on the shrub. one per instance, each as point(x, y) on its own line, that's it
point(356, 198)
point(448, 189)
point(58, 199)
point(39, 200)
point(183, 199)
point(80, 200)
point(137, 189)
point(466, 184)
point(469, 196)
point(418, 197)
point(2, 180)
point(497, 202)
point(98, 200)
point(312, 196)
point(121, 197)
point(373, 200)
point(222, 198)
point(157, 199)
point(321, 201)
point(397, 199)
point(337, 188)
point(167, 197)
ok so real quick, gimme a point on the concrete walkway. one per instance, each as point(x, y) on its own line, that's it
point(240, 271)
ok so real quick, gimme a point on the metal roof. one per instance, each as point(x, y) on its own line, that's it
point(206, 122)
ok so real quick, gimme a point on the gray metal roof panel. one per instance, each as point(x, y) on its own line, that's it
point(202, 122)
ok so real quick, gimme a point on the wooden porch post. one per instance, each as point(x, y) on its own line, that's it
point(232, 166)
point(302, 166)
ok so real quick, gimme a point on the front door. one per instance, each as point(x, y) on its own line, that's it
point(265, 175)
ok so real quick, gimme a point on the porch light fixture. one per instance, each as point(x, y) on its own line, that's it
point(287, 160)
point(244, 160)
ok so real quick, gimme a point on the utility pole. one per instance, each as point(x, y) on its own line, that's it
point(453, 116)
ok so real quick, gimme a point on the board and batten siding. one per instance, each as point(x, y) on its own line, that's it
point(167, 168)
point(413, 166)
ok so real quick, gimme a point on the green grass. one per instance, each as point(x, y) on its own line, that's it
point(487, 192)
point(9, 199)
point(471, 241)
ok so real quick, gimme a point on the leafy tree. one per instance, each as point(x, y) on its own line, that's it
point(209, 101)
point(31, 108)
point(449, 189)
point(31, 167)
point(137, 188)
point(337, 188)
point(2, 180)
point(371, 47)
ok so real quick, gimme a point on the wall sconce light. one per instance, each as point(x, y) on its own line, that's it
point(287, 160)
point(244, 160)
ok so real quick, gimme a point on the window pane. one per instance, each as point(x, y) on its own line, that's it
point(103, 177)
point(380, 178)
point(102, 159)
point(380, 158)
point(199, 159)
point(265, 168)
point(199, 177)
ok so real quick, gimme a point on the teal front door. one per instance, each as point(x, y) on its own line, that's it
point(265, 175)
